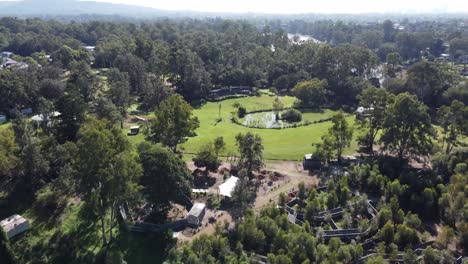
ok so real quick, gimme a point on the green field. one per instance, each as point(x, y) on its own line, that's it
point(284, 144)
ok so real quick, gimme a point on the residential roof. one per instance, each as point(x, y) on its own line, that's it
point(227, 187)
point(12, 222)
point(197, 209)
point(308, 156)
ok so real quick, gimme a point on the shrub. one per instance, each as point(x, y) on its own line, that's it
point(241, 111)
point(292, 115)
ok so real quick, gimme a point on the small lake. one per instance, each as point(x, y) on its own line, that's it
point(262, 119)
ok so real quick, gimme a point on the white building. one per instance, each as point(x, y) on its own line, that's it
point(14, 225)
point(227, 187)
point(196, 214)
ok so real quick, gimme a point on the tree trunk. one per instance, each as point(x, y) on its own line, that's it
point(104, 238)
point(111, 222)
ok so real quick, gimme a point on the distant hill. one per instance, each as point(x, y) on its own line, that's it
point(73, 8)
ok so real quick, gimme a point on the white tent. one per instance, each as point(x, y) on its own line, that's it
point(227, 187)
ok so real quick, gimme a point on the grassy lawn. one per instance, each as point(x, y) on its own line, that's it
point(285, 144)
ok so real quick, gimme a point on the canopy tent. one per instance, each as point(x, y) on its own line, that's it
point(227, 187)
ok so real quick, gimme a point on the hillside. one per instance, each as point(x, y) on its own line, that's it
point(72, 7)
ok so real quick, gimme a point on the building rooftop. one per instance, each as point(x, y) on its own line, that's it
point(227, 187)
point(12, 222)
point(197, 209)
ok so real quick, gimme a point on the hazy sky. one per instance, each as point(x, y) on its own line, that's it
point(305, 6)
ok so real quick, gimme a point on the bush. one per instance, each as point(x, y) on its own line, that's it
point(292, 115)
point(241, 111)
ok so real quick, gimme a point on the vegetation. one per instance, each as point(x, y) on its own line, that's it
point(74, 174)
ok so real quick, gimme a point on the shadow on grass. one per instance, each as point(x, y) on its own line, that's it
point(148, 247)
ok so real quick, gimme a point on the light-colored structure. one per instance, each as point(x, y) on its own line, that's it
point(134, 130)
point(15, 225)
point(228, 186)
point(41, 117)
point(196, 214)
point(3, 119)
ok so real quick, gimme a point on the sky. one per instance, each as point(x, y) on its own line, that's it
point(306, 6)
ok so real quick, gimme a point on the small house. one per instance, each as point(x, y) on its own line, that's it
point(134, 130)
point(363, 112)
point(311, 163)
point(3, 119)
point(14, 225)
point(196, 214)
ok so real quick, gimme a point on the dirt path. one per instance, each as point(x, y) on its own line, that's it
point(295, 175)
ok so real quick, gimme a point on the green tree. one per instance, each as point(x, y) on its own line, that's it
point(119, 91)
point(219, 145)
point(206, 158)
point(251, 152)
point(428, 81)
point(165, 178)
point(72, 110)
point(377, 100)
point(407, 127)
point(311, 93)
point(339, 135)
point(173, 122)
point(453, 122)
point(8, 153)
point(387, 233)
point(6, 253)
point(108, 171)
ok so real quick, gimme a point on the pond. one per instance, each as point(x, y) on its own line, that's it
point(267, 119)
point(262, 119)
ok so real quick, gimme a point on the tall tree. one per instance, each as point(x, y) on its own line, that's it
point(119, 90)
point(107, 171)
point(173, 122)
point(407, 127)
point(251, 152)
point(339, 135)
point(72, 110)
point(311, 93)
point(376, 101)
point(428, 81)
point(165, 178)
point(453, 120)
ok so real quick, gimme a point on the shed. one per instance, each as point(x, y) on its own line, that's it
point(196, 214)
point(134, 130)
point(228, 186)
point(14, 225)
point(311, 163)
point(3, 119)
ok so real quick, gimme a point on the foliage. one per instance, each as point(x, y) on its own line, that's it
point(407, 127)
point(173, 122)
point(339, 135)
point(311, 93)
point(165, 176)
point(207, 157)
point(108, 171)
point(453, 122)
point(377, 100)
point(251, 152)
point(291, 115)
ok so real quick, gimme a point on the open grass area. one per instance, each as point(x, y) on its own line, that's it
point(284, 144)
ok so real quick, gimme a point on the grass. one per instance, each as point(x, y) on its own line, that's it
point(285, 144)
